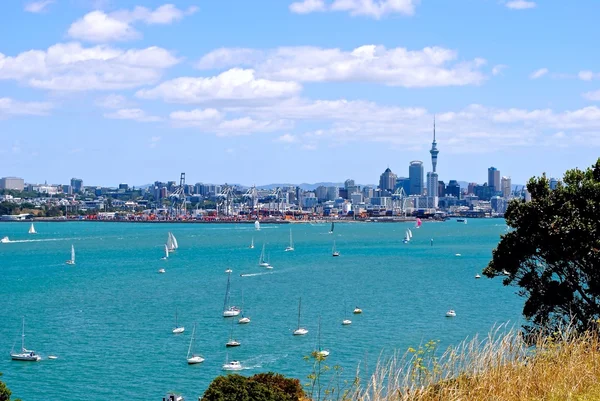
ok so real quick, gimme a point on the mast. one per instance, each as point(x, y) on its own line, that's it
point(191, 341)
point(227, 293)
point(23, 336)
point(299, 306)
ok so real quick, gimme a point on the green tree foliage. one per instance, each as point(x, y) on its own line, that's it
point(5, 393)
point(260, 387)
point(552, 252)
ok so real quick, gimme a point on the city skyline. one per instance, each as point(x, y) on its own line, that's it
point(295, 91)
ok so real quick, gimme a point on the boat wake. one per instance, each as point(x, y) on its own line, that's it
point(255, 274)
point(262, 360)
point(18, 241)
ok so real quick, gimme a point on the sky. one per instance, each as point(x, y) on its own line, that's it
point(282, 91)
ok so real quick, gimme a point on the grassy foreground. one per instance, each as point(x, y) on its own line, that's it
point(563, 366)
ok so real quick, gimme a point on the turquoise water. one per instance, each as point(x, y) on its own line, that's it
point(109, 318)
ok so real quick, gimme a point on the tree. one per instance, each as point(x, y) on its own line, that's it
point(260, 387)
point(552, 252)
point(5, 393)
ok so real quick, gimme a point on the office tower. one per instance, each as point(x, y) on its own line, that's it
point(506, 187)
point(415, 174)
point(494, 178)
point(387, 180)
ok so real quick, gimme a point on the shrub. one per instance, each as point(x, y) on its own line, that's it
point(260, 387)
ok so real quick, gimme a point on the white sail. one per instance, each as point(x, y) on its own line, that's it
point(257, 225)
point(171, 242)
point(261, 261)
point(252, 243)
point(409, 233)
point(32, 229)
point(166, 252)
point(175, 244)
point(72, 254)
point(406, 236)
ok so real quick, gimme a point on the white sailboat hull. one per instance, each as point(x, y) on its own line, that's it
point(231, 312)
point(195, 359)
point(25, 357)
point(300, 332)
point(346, 322)
point(244, 320)
point(289, 249)
point(178, 330)
point(323, 353)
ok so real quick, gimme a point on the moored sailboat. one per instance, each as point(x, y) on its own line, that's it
point(300, 331)
point(252, 243)
point(291, 245)
point(193, 358)
point(229, 311)
point(243, 319)
point(334, 251)
point(25, 355)
point(323, 353)
point(232, 341)
point(262, 262)
point(177, 329)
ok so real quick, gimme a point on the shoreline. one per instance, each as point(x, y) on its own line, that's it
point(266, 221)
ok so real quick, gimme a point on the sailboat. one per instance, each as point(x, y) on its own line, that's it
point(331, 229)
point(243, 319)
point(229, 311)
point(72, 260)
point(346, 321)
point(232, 342)
point(261, 261)
point(252, 243)
point(32, 229)
point(257, 225)
point(166, 253)
point(409, 233)
point(178, 329)
point(406, 239)
point(418, 223)
point(291, 246)
point(300, 331)
point(334, 252)
point(25, 355)
point(320, 352)
point(172, 242)
point(192, 358)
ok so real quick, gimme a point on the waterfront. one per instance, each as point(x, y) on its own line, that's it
point(109, 318)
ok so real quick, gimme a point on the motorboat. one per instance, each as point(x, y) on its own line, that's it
point(161, 270)
point(477, 276)
point(451, 313)
point(233, 365)
point(346, 322)
point(4, 240)
point(357, 311)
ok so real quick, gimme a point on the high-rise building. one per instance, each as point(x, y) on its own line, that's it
point(494, 178)
point(387, 180)
point(432, 184)
point(321, 193)
point(349, 183)
point(14, 183)
point(332, 193)
point(441, 188)
point(553, 183)
point(434, 151)
point(453, 189)
point(506, 187)
point(415, 174)
point(76, 184)
point(471, 188)
point(404, 183)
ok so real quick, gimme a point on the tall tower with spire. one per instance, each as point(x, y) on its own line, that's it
point(434, 151)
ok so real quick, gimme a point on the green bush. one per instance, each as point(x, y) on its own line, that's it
point(260, 387)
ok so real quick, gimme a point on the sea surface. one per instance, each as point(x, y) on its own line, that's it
point(109, 318)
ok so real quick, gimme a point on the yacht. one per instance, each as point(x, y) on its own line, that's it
point(233, 365)
point(357, 311)
point(25, 355)
point(161, 270)
point(193, 358)
point(4, 240)
point(451, 313)
point(177, 329)
point(229, 310)
point(300, 331)
point(477, 275)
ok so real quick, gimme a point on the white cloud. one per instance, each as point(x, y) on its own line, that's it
point(287, 138)
point(113, 101)
point(232, 85)
point(593, 96)
point(72, 67)
point(132, 114)
point(588, 75)
point(197, 117)
point(371, 8)
point(520, 4)
point(97, 26)
point(497, 69)
point(431, 66)
point(38, 6)
point(307, 6)
point(10, 107)
point(538, 73)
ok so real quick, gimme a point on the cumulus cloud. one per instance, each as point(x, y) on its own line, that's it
point(132, 114)
point(38, 6)
point(10, 107)
point(72, 67)
point(593, 96)
point(287, 138)
point(588, 75)
point(538, 73)
point(97, 26)
point(431, 66)
point(520, 4)
point(370, 8)
point(112, 101)
point(232, 85)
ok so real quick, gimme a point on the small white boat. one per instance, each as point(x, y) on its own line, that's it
point(407, 236)
point(257, 225)
point(192, 358)
point(458, 254)
point(320, 352)
point(32, 229)
point(232, 341)
point(4, 240)
point(161, 271)
point(300, 331)
point(232, 365)
point(25, 355)
point(357, 311)
point(451, 313)
point(52, 357)
point(290, 247)
point(72, 260)
point(477, 275)
point(243, 319)
point(332, 227)
point(252, 243)
point(505, 272)
point(174, 397)
point(177, 329)
point(229, 311)
point(334, 252)
point(346, 322)
point(166, 253)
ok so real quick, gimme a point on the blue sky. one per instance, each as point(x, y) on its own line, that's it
point(265, 91)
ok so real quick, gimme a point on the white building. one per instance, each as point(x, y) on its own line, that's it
point(14, 183)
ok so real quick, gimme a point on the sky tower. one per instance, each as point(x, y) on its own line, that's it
point(434, 151)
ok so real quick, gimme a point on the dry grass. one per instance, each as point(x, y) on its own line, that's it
point(565, 366)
